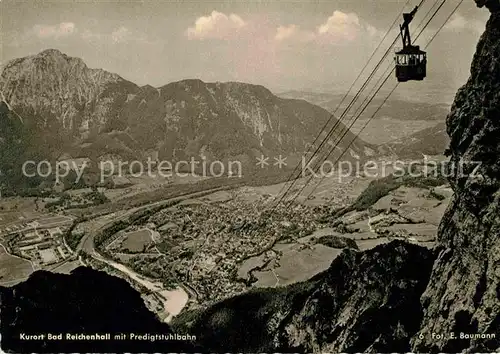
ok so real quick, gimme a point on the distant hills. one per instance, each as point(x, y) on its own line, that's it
point(83, 112)
point(394, 107)
point(430, 141)
point(55, 107)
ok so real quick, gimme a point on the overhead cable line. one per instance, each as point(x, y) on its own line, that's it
point(357, 112)
point(342, 100)
point(392, 91)
point(371, 99)
point(332, 130)
point(326, 139)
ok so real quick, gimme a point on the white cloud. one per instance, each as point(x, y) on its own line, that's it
point(460, 23)
point(339, 27)
point(373, 31)
point(294, 32)
point(63, 29)
point(217, 25)
point(285, 32)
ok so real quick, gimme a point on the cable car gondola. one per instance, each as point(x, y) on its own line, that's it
point(411, 62)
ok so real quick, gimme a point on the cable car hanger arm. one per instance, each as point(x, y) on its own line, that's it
point(405, 29)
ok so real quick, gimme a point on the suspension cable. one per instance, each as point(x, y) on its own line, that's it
point(343, 114)
point(341, 102)
point(392, 91)
point(385, 100)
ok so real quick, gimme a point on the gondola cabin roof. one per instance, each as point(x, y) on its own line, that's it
point(414, 49)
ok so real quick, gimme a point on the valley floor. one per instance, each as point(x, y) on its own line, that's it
point(196, 249)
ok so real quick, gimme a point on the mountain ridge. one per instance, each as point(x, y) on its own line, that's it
point(93, 112)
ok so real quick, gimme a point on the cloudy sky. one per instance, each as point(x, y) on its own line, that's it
point(317, 45)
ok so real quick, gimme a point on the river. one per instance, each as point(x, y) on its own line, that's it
point(174, 301)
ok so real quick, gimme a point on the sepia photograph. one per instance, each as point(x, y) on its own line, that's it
point(231, 176)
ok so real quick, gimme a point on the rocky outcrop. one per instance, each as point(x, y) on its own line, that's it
point(87, 302)
point(365, 301)
point(464, 290)
point(358, 306)
point(492, 5)
point(62, 93)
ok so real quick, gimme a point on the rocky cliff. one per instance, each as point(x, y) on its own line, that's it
point(366, 301)
point(464, 291)
point(87, 302)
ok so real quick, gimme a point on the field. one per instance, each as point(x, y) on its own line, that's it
point(297, 263)
point(11, 217)
point(137, 240)
point(54, 221)
point(17, 217)
point(249, 264)
point(13, 268)
point(66, 267)
point(48, 256)
point(14, 204)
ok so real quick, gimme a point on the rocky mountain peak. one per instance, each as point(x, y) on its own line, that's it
point(45, 63)
point(463, 295)
point(56, 54)
point(58, 92)
point(231, 87)
point(221, 120)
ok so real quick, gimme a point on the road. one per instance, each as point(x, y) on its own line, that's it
point(87, 242)
point(173, 300)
